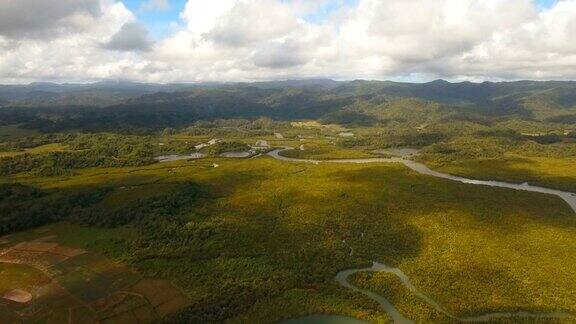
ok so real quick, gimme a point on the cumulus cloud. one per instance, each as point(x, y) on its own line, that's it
point(131, 37)
point(31, 18)
point(538, 48)
point(255, 21)
point(74, 55)
point(283, 55)
point(441, 28)
point(414, 33)
point(243, 40)
point(201, 15)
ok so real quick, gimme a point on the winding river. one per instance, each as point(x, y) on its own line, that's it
point(568, 197)
point(342, 276)
point(395, 315)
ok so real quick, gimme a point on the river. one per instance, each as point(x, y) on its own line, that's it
point(568, 197)
point(395, 315)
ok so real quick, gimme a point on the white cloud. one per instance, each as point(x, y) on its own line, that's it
point(74, 54)
point(241, 40)
point(286, 54)
point(541, 48)
point(249, 22)
point(201, 15)
point(132, 36)
point(420, 31)
point(31, 18)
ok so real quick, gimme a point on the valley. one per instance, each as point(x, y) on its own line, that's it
point(287, 161)
point(262, 220)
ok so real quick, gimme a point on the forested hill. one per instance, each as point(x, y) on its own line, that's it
point(49, 107)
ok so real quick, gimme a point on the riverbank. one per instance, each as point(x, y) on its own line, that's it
point(568, 197)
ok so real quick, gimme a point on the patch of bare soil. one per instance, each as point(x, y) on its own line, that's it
point(18, 295)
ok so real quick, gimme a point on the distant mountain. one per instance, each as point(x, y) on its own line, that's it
point(324, 84)
point(107, 93)
point(127, 104)
point(527, 99)
point(51, 94)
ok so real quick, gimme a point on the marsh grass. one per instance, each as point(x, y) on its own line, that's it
point(544, 171)
point(391, 288)
point(43, 149)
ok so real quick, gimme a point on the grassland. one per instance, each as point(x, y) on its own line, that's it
point(266, 239)
point(323, 150)
point(315, 125)
point(48, 148)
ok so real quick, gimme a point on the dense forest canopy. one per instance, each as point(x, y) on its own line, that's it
point(106, 106)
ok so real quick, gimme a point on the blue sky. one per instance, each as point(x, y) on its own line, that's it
point(327, 9)
point(157, 21)
point(546, 3)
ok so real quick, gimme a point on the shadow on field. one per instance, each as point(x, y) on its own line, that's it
point(404, 193)
point(244, 234)
point(463, 238)
point(272, 235)
point(512, 169)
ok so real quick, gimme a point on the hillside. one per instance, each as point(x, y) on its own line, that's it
point(105, 105)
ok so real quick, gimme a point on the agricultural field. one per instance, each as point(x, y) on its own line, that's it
point(45, 280)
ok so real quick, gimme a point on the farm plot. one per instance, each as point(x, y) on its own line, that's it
point(41, 280)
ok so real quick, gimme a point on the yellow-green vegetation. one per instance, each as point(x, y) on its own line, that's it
point(490, 252)
point(224, 147)
point(323, 150)
point(18, 275)
point(43, 149)
point(544, 171)
point(263, 239)
point(312, 124)
point(506, 159)
point(406, 302)
point(103, 230)
point(72, 235)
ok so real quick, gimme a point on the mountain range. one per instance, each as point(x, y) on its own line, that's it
point(109, 104)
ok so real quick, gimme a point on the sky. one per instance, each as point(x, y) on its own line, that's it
point(252, 40)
